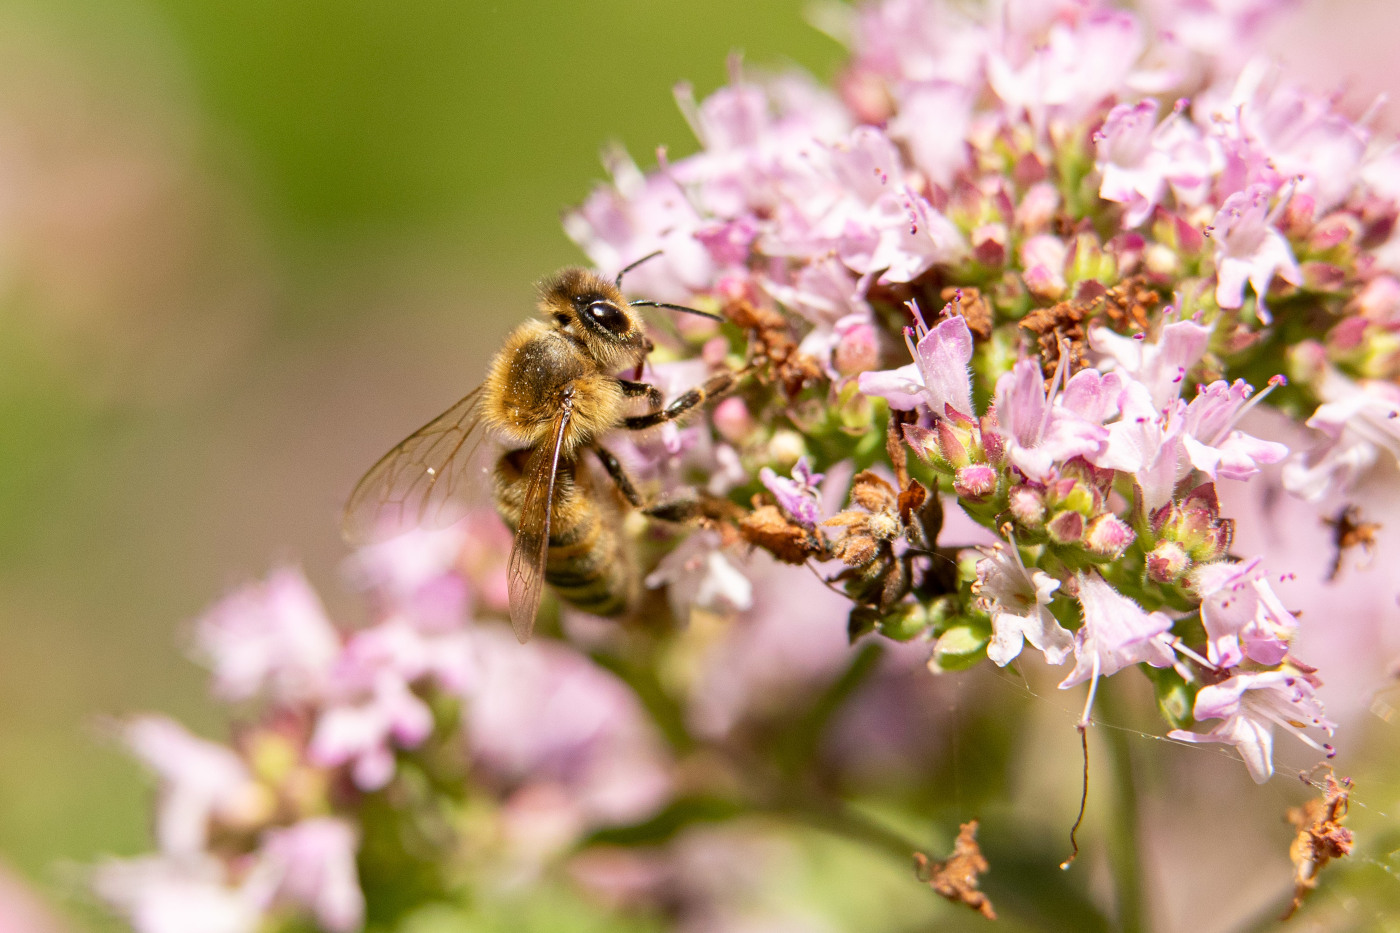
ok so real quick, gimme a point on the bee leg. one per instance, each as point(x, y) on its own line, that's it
point(645, 390)
point(618, 474)
point(718, 384)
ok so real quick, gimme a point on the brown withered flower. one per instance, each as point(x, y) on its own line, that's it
point(875, 574)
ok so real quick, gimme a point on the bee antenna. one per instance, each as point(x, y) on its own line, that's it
point(630, 267)
point(662, 304)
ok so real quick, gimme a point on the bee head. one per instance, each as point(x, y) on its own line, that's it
point(592, 309)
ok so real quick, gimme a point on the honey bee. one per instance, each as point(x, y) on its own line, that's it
point(550, 393)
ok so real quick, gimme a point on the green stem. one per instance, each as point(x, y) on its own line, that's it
point(1126, 860)
point(836, 817)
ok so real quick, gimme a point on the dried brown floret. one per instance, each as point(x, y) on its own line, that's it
point(768, 528)
point(957, 877)
point(974, 308)
point(774, 351)
point(1321, 837)
point(1349, 531)
point(1125, 308)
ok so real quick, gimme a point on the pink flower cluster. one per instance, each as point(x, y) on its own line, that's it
point(270, 827)
point(1062, 158)
point(1049, 459)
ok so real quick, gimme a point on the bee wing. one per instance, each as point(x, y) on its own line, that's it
point(418, 481)
point(525, 573)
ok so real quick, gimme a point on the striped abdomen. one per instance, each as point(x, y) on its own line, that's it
point(587, 562)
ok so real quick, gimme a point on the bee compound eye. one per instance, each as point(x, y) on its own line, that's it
point(607, 316)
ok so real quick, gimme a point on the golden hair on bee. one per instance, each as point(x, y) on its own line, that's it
point(550, 393)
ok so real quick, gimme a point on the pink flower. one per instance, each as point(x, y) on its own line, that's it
point(1062, 78)
point(1248, 248)
point(637, 215)
point(1213, 443)
point(880, 224)
point(272, 638)
point(799, 496)
point(933, 120)
point(1017, 599)
point(1140, 158)
point(938, 378)
point(1251, 704)
point(365, 727)
point(313, 863)
point(416, 572)
point(1358, 421)
point(1045, 429)
point(1238, 606)
point(1283, 132)
point(1147, 444)
point(1116, 633)
point(698, 574)
point(543, 713)
point(186, 895)
point(200, 782)
point(1161, 366)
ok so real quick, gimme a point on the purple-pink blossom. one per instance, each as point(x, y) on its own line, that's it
point(1116, 632)
point(1250, 705)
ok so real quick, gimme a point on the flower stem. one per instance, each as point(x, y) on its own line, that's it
point(1126, 856)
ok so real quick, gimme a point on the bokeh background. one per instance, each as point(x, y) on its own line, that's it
point(244, 247)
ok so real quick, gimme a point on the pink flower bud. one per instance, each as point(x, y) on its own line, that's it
point(975, 482)
point(732, 420)
point(1167, 562)
point(1066, 527)
point(1108, 535)
point(858, 350)
point(1027, 506)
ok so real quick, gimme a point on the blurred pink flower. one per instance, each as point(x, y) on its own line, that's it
point(1249, 248)
point(269, 639)
point(200, 782)
point(159, 894)
point(542, 713)
point(313, 866)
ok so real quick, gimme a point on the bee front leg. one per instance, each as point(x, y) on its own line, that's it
point(716, 385)
point(651, 393)
point(618, 474)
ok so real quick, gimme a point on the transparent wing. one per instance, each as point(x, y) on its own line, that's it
point(525, 573)
point(420, 481)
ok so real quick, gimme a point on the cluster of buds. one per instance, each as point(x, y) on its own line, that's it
point(1186, 534)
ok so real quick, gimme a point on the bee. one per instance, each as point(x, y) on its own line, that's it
point(550, 393)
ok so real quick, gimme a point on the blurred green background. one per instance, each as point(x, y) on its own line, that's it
point(244, 247)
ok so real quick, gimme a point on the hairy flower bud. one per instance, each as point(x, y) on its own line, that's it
point(1066, 527)
point(1167, 562)
point(1027, 506)
point(1108, 535)
point(977, 481)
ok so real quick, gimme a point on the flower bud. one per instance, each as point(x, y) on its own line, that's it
point(1066, 527)
point(1167, 562)
point(786, 447)
point(952, 446)
point(1108, 535)
point(1027, 506)
point(732, 420)
point(857, 351)
point(977, 481)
